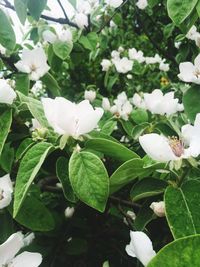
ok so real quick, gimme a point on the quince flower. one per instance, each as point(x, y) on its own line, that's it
point(33, 62)
point(6, 190)
point(140, 247)
point(69, 118)
point(123, 65)
point(122, 107)
point(142, 4)
point(12, 246)
point(106, 104)
point(90, 95)
point(81, 20)
point(136, 55)
point(106, 64)
point(164, 149)
point(190, 72)
point(158, 208)
point(7, 94)
point(62, 34)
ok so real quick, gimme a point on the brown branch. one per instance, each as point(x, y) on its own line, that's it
point(127, 203)
point(8, 62)
point(58, 20)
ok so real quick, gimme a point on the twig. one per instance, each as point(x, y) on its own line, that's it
point(66, 17)
point(124, 202)
point(58, 20)
point(8, 62)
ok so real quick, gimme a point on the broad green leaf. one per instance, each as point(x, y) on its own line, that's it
point(191, 102)
point(183, 205)
point(144, 216)
point(139, 115)
point(126, 173)
point(28, 169)
point(35, 216)
point(89, 179)
point(183, 252)
point(7, 158)
point(36, 7)
point(62, 49)
point(5, 124)
point(22, 83)
point(111, 149)
point(36, 109)
point(21, 9)
point(147, 187)
point(7, 226)
point(90, 41)
point(23, 147)
point(7, 35)
point(63, 176)
point(179, 10)
point(109, 127)
point(51, 84)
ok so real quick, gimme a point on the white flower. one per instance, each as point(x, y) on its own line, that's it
point(153, 60)
point(12, 246)
point(62, 34)
point(191, 137)
point(162, 149)
point(33, 62)
point(7, 94)
point(81, 20)
point(106, 64)
point(177, 44)
point(112, 24)
point(114, 3)
point(164, 66)
point(140, 247)
point(106, 104)
point(123, 65)
point(158, 208)
point(49, 36)
point(69, 212)
point(157, 103)
point(6, 190)
point(192, 33)
point(122, 107)
point(90, 95)
point(120, 49)
point(83, 7)
point(190, 72)
point(129, 76)
point(138, 101)
point(131, 214)
point(142, 4)
point(69, 118)
point(115, 54)
point(136, 55)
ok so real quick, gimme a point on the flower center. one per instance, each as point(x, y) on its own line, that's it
point(197, 73)
point(176, 146)
point(33, 67)
point(1, 194)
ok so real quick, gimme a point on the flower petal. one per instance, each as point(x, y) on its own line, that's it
point(186, 72)
point(27, 259)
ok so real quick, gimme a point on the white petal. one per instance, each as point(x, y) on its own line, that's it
point(11, 247)
point(130, 250)
point(142, 247)
point(197, 62)
point(186, 72)
point(27, 259)
point(157, 147)
point(7, 94)
point(6, 183)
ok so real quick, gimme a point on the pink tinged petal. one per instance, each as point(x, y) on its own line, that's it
point(187, 70)
point(140, 247)
point(157, 147)
point(10, 248)
point(27, 259)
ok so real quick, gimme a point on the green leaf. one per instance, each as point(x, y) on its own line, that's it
point(21, 9)
point(109, 127)
point(73, 3)
point(51, 84)
point(191, 102)
point(23, 147)
point(147, 187)
point(36, 7)
point(5, 124)
point(126, 173)
point(144, 216)
point(179, 10)
point(183, 205)
point(111, 149)
point(36, 109)
point(62, 173)
point(35, 216)
point(62, 49)
point(7, 35)
point(89, 179)
point(7, 158)
point(139, 115)
point(183, 252)
point(90, 41)
point(22, 83)
point(28, 169)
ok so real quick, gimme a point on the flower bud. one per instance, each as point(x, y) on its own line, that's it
point(158, 208)
point(90, 95)
point(69, 212)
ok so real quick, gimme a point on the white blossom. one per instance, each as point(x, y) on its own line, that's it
point(112, 24)
point(164, 66)
point(123, 65)
point(129, 76)
point(122, 107)
point(106, 64)
point(81, 20)
point(158, 208)
point(136, 55)
point(106, 104)
point(158, 103)
point(90, 95)
point(114, 3)
point(7, 94)
point(190, 72)
point(10, 248)
point(61, 34)
point(121, 49)
point(69, 118)
point(140, 247)
point(84, 7)
point(131, 214)
point(69, 212)
point(115, 54)
point(138, 101)
point(33, 62)
point(142, 4)
point(192, 33)
point(6, 190)
point(177, 44)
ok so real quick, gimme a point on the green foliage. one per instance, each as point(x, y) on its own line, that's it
point(191, 101)
point(7, 35)
point(5, 123)
point(36, 7)
point(89, 179)
point(21, 9)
